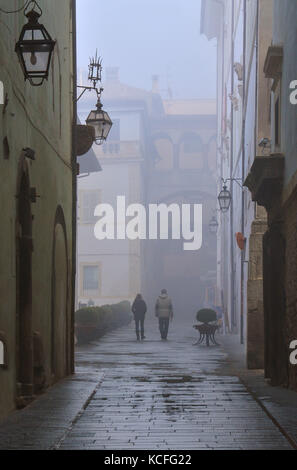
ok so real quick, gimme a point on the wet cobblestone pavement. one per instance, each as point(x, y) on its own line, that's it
point(148, 395)
point(167, 395)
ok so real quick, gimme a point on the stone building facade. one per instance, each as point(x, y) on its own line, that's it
point(109, 271)
point(272, 181)
point(256, 68)
point(241, 29)
point(37, 194)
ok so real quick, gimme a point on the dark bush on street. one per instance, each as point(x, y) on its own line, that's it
point(93, 322)
point(206, 315)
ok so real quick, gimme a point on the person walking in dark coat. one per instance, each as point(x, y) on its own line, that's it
point(139, 310)
point(164, 312)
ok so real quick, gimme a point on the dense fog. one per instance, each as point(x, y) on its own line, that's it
point(159, 80)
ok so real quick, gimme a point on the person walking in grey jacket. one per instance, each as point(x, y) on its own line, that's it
point(164, 312)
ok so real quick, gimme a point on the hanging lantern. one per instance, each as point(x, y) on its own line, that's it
point(224, 199)
point(34, 49)
point(100, 120)
point(213, 225)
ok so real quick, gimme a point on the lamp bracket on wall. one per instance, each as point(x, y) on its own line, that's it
point(237, 180)
point(89, 88)
point(29, 153)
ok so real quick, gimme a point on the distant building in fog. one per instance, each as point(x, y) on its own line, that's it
point(183, 170)
point(111, 270)
point(157, 151)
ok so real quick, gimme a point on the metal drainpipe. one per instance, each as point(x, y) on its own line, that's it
point(256, 90)
point(242, 174)
point(74, 186)
point(222, 5)
point(233, 317)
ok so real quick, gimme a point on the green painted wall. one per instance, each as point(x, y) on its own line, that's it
point(39, 118)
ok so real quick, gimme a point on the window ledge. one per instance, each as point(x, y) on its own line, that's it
point(274, 63)
point(265, 179)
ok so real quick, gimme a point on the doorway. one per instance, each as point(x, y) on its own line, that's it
point(24, 248)
point(60, 341)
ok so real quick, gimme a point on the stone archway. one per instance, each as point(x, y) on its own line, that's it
point(24, 248)
point(164, 151)
point(192, 153)
point(60, 341)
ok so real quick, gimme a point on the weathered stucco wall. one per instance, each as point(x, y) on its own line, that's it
point(39, 118)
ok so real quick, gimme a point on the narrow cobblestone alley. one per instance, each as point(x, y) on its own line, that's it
point(146, 395)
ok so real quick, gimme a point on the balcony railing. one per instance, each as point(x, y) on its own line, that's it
point(119, 149)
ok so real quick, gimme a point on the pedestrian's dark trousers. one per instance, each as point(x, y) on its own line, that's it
point(139, 324)
point(164, 325)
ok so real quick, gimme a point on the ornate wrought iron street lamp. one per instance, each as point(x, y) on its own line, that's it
point(34, 48)
point(224, 199)
point(225, 196)
point(98, 118)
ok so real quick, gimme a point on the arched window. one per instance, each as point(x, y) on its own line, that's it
point(164, 152)
point(192, 144)
point(191, 153)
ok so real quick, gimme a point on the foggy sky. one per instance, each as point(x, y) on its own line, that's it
point(147, 37)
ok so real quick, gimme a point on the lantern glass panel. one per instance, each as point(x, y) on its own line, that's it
point(34, 50)
point(37, 61)
point(34, 35)
point(101, 122)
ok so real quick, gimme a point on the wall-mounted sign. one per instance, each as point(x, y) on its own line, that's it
point(240, 239)
point(1, 93)
point(3, 351)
